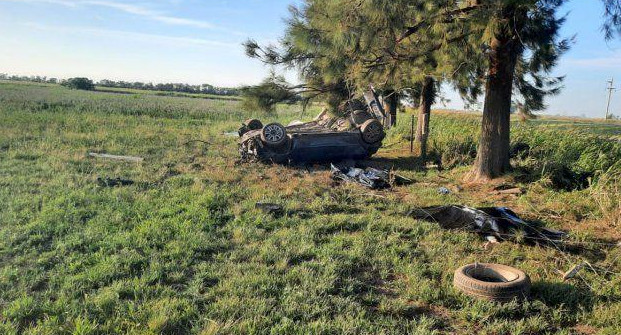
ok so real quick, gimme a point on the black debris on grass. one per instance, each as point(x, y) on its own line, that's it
point(500, 222)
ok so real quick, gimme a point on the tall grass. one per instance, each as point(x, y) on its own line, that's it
point(581, 150)
point(607, 193)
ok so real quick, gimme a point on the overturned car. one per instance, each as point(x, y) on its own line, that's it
point(357, 136)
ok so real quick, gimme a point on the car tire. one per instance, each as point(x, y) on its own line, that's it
point(494, 282)
point(372, 131)
point(253, 124)
point(359, 117)
point(274, 135)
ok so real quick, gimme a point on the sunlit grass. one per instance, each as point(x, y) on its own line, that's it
point(184, 250)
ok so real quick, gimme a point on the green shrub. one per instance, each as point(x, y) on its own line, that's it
point(79, 83)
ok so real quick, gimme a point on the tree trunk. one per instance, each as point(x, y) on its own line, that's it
point(391, 103)
point(424, 114)
point(493, 152)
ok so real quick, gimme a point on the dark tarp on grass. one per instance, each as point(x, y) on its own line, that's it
point(500, 222)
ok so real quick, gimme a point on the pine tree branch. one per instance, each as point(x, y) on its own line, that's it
point(380, 60)
point(450, 17)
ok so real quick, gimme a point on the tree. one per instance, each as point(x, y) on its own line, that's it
point(510, 46)
point(506, 44)
point(369, 36)
point(511, 29)
point(264, 97)
point(427, 98)
point(79, 83)
point(612, 16)
point(521, 46)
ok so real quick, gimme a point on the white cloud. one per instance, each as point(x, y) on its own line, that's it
point(141, 37)
point(130, 9)
point(153, 15)
point(184, 22)
point(607, 62)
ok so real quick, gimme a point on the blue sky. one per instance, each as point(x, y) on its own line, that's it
point(200, 42)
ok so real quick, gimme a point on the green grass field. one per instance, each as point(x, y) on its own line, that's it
point(183, 250)
point(168, 94)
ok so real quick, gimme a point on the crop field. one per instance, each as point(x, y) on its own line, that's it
point(161, 93)
point(183, 250)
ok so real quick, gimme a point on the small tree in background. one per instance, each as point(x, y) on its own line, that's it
point(264, 97)
point(79, 83)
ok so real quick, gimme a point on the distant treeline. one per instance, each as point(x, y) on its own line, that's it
point(168, 87)
point(35, 79)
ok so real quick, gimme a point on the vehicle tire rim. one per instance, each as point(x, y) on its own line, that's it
point(373, 132)
point(273, 133)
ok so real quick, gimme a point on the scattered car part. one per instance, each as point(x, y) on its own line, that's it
point(116, 157)
point(495, 282)
point(369, 177)
point(324, 139)
point(443, 190)
point(491, 239)
point(508, 189)
point(514, 191)
point(571, 273)
point(500, 222)
point(253, 124)
point(248, 125)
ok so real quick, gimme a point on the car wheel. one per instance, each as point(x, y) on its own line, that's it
point(253, 124)
point(493, 282)
point(359, 117)
point(372, 131)
point(274, 134)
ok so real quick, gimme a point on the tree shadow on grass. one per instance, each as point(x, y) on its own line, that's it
point(572, 298)
point(403, 163)
point(373, 289)
point(594, 250)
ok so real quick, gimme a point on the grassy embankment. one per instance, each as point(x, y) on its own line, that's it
point(184, 251)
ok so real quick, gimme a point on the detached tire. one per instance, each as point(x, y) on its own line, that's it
point(494, 282)
point(372, 131)
point(274, 135)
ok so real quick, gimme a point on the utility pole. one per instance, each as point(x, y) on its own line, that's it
point(610, 89)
